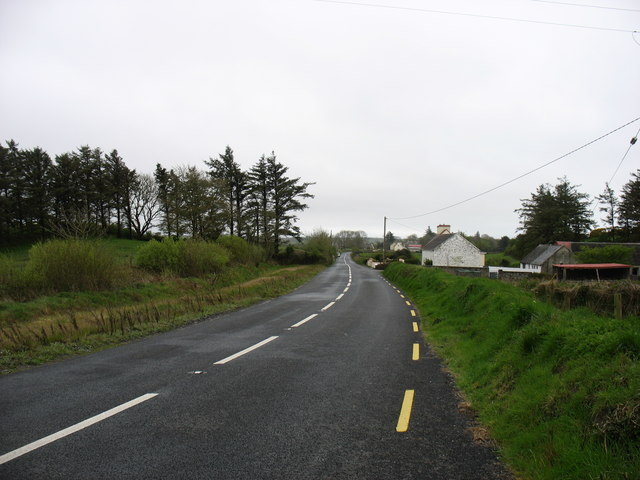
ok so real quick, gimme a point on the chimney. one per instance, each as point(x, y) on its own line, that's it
point(443, 229)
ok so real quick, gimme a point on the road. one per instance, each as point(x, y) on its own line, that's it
point(331, 381)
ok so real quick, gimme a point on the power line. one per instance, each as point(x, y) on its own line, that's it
point(475, 15)
point(520, 176)
point(631, 143)
point(588, 6)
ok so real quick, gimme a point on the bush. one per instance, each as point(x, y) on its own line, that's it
point(69, 265)
point(157, 256)
point(13, 279)
point(187, 258)
point(197, 258)
point(241, 251)
point(319, 248)
point(608, 254)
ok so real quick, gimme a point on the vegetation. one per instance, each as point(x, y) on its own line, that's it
point(500, 260)
point(319, 248)
point(350, 240)
point(551, 214)
point(608, 254)
point(629, 208)
point(88, 193)
point(557, 389)
point(73, 296)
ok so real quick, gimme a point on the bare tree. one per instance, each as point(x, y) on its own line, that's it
point(145, 206)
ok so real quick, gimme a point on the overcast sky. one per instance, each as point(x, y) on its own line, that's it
point(391, 111)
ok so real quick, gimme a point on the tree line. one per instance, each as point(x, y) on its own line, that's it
point(562, 212)
point(89, 192)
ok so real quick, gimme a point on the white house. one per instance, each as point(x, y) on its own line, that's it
point(452, 250)
point(396, 246)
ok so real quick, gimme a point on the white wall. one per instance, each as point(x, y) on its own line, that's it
point(457, 252)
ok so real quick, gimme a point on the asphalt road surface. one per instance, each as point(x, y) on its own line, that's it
point(332, 381)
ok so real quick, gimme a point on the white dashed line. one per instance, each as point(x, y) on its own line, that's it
point(245, 351)
point(302, 322)
point(74, 428)
point(328, 306)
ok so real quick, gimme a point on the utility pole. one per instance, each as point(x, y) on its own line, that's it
point(384, 238)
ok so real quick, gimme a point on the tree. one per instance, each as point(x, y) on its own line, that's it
point(412, 239)
point(319, 247)
point(389, 238)
point(503, 243)
point(6, 180)
point(234, 187)
point(162, 179)
point(286, 198)
point(36, 165)
point(350, 240)
point(428, 235)
point(143, 201)
point(117, 178)
point(199, 206)
point(629, 208)
point(610, 201)
point(259, 201)
point(554, 213)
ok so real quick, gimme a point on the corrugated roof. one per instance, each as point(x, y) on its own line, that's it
point(540, 254)
point(591, 266)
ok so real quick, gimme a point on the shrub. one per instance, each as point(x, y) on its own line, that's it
point(157, 256)
point(319, 248)
point(608, 254)
point(197, 258)
point(187, 258)
point(71, 264)
point(241, 251)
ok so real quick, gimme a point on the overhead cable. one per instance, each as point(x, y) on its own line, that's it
point(475, 15)
point(521, 176)
point(588, 6)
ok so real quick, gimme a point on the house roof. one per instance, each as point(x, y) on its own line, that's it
point(540, 254)
point(443, 237)
point(438, 240)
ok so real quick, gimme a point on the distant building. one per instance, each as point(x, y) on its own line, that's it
point(396, 246)
point(443, 229)
point(542, 258)
point(452, 250)
point(414, 248)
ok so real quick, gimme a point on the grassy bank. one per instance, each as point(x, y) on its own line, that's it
point(50, 327)
point(559, 390)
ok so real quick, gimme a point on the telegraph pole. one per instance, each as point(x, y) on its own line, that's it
point(384, 238)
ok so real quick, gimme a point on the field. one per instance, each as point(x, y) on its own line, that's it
point(559, 390)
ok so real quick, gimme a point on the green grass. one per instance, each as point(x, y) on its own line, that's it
point(500, 260)
point(69, 323)
point(558, 390)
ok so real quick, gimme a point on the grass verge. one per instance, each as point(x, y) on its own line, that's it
point(49, 328)
point(558, 390)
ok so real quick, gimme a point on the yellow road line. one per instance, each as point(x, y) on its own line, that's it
point(416, 352)
point(401, 296)
point(415, 326)
point(413, 313)
point(408, 302)
point(405, 411)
